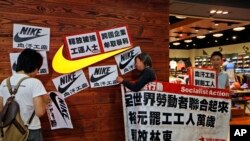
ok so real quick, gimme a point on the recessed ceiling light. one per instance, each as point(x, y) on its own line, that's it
point(181, 17)
point(188, 41)
point(234, 37)
point(212, 11)
point(216, 24)
point(218, 35)
point(239, 28)
point(219, 12)
point(176, 43)
point(201, 37)
point(225, 12)
point(216, 41)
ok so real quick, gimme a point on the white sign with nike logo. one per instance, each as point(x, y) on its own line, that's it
point(34, 37)
point(102, 76)
point(43, 70)
point(58, 112)
point(71, 83)
point(126, 60)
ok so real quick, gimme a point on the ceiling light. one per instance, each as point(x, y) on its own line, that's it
point(216, 41)
point(188, 41)
point(201, 37)
point(225, 12)
point(239, 28)
point(216, 24)
point(234, 37)
point(218, 35)
point(181, 17)
point(176, 43)
point(212, 11)
point(219, 12)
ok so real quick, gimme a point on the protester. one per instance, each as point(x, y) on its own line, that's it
point(217, 61)
point(143, 63)
point(31, 93)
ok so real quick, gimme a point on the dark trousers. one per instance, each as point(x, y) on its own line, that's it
point(35, 135)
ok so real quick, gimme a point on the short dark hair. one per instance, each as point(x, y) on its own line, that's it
point(217, 53)
point(145, 58)
point(29, 60)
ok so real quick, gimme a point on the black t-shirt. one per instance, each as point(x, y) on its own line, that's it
point(146, 76)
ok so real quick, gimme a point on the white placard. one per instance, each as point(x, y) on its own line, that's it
point(82, 45)
point(102, 76)
point(43, 70)
point(70, 84)
point(58, 112)
point(126, 60)
point(176, 112)
point(34, 37)
point(115, 38)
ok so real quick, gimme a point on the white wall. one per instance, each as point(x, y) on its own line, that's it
point(192, 53)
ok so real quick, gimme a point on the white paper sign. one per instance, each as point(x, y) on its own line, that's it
point(102, 76)
point(204, 78)
point(126, 60)
point(82, 45)
point(58, 112)
point(43, 70)
point(115, 38)
point(34, 37)
point(70, 84)
point(177, 113)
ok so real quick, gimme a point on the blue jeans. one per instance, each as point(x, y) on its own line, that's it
point(35, 135)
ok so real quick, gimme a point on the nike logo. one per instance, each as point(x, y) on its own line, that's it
point(63, 89)
point(17, 38)
point(95, 79)
point(53, 98)
point(122, 66)
point(62, 65)
point(14, 66)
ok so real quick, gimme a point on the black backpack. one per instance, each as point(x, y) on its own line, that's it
point(11, 125)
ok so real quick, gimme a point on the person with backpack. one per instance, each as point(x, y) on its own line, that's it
point(31, 94)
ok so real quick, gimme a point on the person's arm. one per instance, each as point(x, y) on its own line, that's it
point(40, 98)
point(39, 105)
point(145, 78)
point(1, 104)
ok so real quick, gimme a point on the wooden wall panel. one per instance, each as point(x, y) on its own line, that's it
point(96, 113)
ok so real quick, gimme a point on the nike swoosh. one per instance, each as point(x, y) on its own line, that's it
point(62, 65)
point(17, 38)
point(62, 90)
point(53, 98)
point(122, 66)
point(14, 66)
point(95, 79)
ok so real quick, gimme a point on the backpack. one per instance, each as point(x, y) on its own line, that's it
point(11, 125)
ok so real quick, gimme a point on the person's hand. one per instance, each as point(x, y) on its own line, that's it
point(119, 79)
